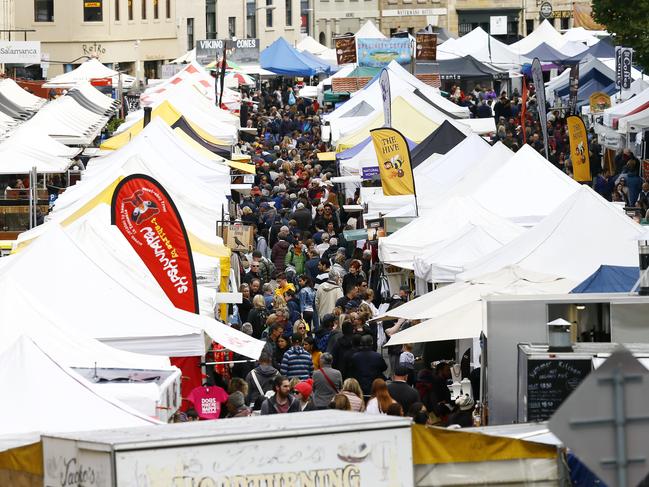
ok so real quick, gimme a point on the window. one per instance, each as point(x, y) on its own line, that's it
point(232, 27)
point(565, 23)
point(130, 9)
point(529, 26)
point(289, 12)
point(43, 10)
point(155, 9)
point(251, 19)
point(144, 9)
point(210, 19)
point(269, 13)
point(168, 8)
point(92, 11)
point(190, 34)
point(117, 10)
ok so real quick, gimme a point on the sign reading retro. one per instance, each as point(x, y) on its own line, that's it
point(20, 52)
point(145, 214)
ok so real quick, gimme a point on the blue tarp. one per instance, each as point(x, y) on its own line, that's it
point(546, 53)
point(282, 58)
point(589, 82)
point(609, 279)
point(602, 49)
point(353, 151)
point(314, 58)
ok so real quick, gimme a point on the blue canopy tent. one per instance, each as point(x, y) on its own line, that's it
point(313, 57)
point(602, 49)
point(609, 279)
point(547, 54)
point(282, 58)
point(594, 80)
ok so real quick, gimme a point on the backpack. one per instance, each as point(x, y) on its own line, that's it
point(291, 99)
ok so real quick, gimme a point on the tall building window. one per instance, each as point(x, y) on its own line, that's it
point(117, 14)
point(43, 10)
point(232, 27)
point(269, 13)
point(529, 26)
point(210, 19)
point(156, 9)
point(130, 9)
point(168, 2)
point(93, 11)
point(289, 12)
point(144, 9)
point(251, 19)
point(190, 34)
point(565, 23)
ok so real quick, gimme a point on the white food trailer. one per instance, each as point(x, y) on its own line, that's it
point(319, 449)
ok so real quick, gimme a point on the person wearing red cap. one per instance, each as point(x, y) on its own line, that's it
point(303, 391)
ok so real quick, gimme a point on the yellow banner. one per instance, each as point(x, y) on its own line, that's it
point(579, 149)
point(393, 158)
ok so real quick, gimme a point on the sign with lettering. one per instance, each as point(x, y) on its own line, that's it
point(241, 51)
point(145, 214)
point(20, 52)
point(345, 50)
point(378, 53)
point(238, 237)
point(426, 47)
point(414, 12)
point(131, 103)
point(550, 382)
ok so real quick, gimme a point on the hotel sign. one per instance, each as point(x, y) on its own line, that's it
point(414, 12)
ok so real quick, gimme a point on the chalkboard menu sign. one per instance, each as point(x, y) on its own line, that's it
point(550, 382)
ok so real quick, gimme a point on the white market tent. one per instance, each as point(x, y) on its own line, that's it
point(26, 135)
point(455, 311)
point(633, 123)
point(581, 234)
point(588, 37)
point(188, 57)
point(629, 107)
point(49, 397)
point(87, 71)
point(19, 96)
point(309, 44)
point(97, 301)
point(484, 48)
point(545, 32)
point(369, 31)
point(20, 160)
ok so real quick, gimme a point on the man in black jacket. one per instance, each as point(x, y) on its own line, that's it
point(367, 365)
point(400, 390)
point(282, 402)
point(260, 380)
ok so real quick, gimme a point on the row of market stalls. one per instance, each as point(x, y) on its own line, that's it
point(79, 302)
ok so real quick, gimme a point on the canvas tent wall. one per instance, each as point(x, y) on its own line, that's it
point(588, 64)
point(369, 31)
point(630, 107)
point(440, 141)
point(545, 32)
point(610, 279)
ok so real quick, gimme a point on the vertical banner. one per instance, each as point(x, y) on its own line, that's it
point(524, 109)
point(618, 67)
point(393, 156)
point(345, 50)
point(384, 83)
point(224, 63)
point(627, 61)
point(579, 149)
point(539, 87)
point(426, 47)
point(148, 218)
point(574, 89)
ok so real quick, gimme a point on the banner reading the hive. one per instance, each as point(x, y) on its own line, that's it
point(393, 156)
point(145, 214)
point(579, 148)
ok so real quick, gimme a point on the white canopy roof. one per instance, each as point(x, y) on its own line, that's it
point(49, 397)
point(455, 311)
point(579, 34)
point(623, 109)
point(27, 135)
point(312, 46)
point(633, 123)
point(89, 70)
point(545, 32)
point(581, 234)
point(369, 31)
point(21, 97)
point(113, 307)
point(188, 57)
point(21, 160)
point(484, 48)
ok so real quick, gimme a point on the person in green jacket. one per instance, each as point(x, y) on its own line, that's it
point(296, 257)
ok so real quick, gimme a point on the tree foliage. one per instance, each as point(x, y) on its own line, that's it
point(629, 21)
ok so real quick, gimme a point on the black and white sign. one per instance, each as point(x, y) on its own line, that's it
point(241, 51)
point(131, 103)
point(20, 52)
point(546, 10)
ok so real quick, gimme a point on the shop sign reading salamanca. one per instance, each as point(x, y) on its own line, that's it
point(241, 51)
point(145, 214)
point(20, 52)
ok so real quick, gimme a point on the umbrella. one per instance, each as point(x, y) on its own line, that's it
point(238, 78)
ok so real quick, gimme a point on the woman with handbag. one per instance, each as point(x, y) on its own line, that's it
point(327, 382)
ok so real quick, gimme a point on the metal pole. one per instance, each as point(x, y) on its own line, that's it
point(619, 414)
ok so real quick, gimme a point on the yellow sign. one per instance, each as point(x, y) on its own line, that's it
point(579, 149)
point(92, 4)
point(393, 158)
point(599, 101)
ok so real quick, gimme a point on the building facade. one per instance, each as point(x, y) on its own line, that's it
point(412, 15)
point(338, 17)
point(263, 19)
point(136, 35)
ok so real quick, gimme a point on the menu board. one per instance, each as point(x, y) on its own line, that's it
point(550, 382)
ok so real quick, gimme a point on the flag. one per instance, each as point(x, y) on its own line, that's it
point(393, 156)
point(539, 86)
point(579, 149)
point(222, 76)
point(524, 109)
point(148, 218)
point(384, 83)
point(574, 89)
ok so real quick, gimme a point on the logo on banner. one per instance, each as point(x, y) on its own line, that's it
point(148, 218)
point(393, 156)
point(579, 148)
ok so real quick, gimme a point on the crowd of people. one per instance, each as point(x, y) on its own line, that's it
point(312, 296)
